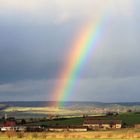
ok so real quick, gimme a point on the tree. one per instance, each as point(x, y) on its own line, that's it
point(23, 121)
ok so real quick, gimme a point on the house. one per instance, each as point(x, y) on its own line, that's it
point(58, 128)
point(102, 124)
point(68, 128)
point(77, 128)
point(9, 123)
point(8, 128)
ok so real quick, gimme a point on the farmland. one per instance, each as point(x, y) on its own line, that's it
point(38, 112)
point(43, 109)
point(53, 116)
point(66, 139)
point(40, 116)
point(129, 119)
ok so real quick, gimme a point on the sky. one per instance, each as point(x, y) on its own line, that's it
point(37, 35)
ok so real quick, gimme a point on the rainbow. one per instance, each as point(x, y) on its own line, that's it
point(81, 52)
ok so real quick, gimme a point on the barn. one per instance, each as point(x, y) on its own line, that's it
point(68, 128)
point(102, 124)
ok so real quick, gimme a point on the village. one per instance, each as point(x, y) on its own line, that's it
point(90, 123)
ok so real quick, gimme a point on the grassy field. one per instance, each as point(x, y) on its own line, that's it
point(40, 110)
point(128, 118)
point(116, 134)
point(62, 139)
point(65, 121)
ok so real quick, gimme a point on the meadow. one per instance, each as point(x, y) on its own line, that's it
point(62, 139)
point(37, 114)
point(112, 134)
point(121, 134)
point(40, 110)
point(129, 119)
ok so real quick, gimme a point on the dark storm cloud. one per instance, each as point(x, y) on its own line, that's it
point(27, 52)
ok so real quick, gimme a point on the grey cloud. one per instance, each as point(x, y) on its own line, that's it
point(26, 90)
point(33, 52)
point(107, 89)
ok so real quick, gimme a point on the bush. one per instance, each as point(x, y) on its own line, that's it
point(109, 135)
point(43, 135)
point(20, 135)
point(34, 135)
point(97, 135)
point(10, 133)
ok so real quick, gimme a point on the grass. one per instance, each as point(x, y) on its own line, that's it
point(128, 118)
point(40, 110)
point(65, 121)
point(63, 139)
point(116, 134)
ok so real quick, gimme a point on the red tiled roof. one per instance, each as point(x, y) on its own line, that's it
point(9, 123)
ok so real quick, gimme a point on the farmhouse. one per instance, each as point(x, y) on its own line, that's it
point(68, 128)
point(58, 128)
point(78, 128)
point(9, 123)
point(103, 124)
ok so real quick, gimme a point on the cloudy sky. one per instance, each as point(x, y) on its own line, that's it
point(36, 36)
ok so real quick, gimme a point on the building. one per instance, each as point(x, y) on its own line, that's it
point(77, 128)
point(67, 128)
point(102, 124)
point(9, 123)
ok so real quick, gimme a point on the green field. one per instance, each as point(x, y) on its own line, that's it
point(128, 118)
point(65, 121)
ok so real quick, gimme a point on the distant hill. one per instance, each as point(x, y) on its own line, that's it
point(3, 106)
point(65, 104)
point(129, 103)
